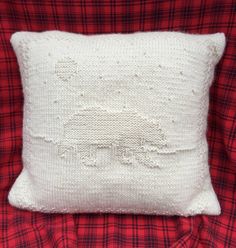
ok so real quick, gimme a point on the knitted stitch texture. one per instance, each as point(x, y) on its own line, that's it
point(116, 122)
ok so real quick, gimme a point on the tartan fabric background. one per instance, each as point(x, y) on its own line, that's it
point(23, 229)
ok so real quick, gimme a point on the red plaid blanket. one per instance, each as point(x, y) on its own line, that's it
point(24, 229)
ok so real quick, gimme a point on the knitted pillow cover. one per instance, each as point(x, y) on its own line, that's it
point(116, 122)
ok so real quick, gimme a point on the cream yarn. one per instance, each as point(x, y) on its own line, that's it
point(116, 122)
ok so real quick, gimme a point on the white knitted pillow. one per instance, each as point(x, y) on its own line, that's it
point(116, 122)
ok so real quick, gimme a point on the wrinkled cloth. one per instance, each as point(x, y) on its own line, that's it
point(24, 229)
